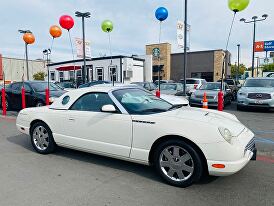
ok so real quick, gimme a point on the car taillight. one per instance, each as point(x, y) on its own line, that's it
point(195, 86)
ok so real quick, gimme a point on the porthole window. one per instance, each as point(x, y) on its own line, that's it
point(65, 100)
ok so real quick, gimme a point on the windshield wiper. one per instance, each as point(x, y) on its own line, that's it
point(175, 107)
point(154, 110)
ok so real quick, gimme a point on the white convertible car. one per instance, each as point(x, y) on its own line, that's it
point(182, 143)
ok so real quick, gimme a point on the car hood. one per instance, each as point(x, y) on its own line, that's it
point(212, 117)
point(175, 100)
point(208, 92)
point(257, 89)
point(54, 93)
point(168, 92)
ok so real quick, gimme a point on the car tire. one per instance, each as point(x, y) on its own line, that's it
point(39, 104)
point(42, 139)
point(178, 163)
point(240, 108)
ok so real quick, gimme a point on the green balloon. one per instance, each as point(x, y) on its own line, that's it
point(237, 5)
point(107, 26)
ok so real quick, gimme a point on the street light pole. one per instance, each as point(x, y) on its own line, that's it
point(254, 20)
point(185, 47)
point(83, 16)
point(26, 51)
point(238, 69)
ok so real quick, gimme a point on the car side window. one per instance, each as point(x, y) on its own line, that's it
point(27, 88)
point(152, 86)
point(16, 86)
point(92, 102)
point(146, 86)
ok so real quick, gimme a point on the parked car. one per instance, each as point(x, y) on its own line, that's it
point(34, 92)
point(172, 89)
point(163, 81)
point(233, 85)
point(67, 85)
point(147, 85)
point(192, 84)
point(211, 89)
point(131, 124)
point(256, 92)
point(93, 83)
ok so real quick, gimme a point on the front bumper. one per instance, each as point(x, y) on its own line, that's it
point(199, 102)
point(232, 156)
point(263, 103)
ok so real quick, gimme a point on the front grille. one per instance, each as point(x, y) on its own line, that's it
point(259, 96)
point(202, 96)
point(251, 145)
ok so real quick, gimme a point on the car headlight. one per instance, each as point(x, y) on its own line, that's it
point(226, 134)
point(51, 99)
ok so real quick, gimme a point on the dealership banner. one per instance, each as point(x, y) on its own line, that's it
point(79, 48)
point(262, 46)
point(180, 34)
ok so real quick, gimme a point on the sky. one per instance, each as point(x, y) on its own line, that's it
point(134, 26)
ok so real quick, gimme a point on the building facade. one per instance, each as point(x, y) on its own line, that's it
point(15, 69)
point(123, 69)
point(201, 64)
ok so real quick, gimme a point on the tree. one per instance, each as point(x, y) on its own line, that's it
point(268, 68)
point(39, 76)
point(234, 69)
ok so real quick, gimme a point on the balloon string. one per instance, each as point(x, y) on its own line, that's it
point(72, 52)
point(51, 44)
point(231, 26)
point(227, 42)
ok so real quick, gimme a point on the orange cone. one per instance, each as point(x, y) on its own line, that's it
point(205, 102)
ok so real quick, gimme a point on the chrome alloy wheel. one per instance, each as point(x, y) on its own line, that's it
point(41, 138)
point(176, 163)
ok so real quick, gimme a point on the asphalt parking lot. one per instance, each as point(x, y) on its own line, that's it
point(70, 177)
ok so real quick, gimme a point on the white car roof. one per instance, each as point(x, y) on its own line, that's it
point(76, 93)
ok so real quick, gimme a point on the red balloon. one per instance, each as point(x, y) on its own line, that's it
point(66, 22)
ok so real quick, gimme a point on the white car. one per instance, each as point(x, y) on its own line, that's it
point(132, 124)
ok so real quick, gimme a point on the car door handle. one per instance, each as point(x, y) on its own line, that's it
point(71, 119)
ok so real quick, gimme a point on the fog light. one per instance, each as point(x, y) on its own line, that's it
point(219, 166)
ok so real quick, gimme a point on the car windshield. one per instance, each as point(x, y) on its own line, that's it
point(137, 101)
point(259, 83)
point(191, 81)
point(168, 86)
point(66, 84)
point(211, 86)
point(41, 86)
point(141, 84)
point(228, 81)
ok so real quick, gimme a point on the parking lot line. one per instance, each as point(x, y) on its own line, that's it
point(265, 159)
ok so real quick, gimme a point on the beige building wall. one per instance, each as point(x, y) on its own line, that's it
point(165, 58)
point(15, 68)
point(218, 64)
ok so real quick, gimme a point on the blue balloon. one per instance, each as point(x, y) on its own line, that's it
point(161, 13)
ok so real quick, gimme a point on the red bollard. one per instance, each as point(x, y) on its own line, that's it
point(23, 98)
point(158, 94)
point(220, 101)
point(4, 108)
point(47, 96)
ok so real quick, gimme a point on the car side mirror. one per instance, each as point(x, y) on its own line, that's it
point(228, 90)
point(108, 108)
point(239, 85)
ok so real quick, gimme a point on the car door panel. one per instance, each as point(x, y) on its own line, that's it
point(101, 132)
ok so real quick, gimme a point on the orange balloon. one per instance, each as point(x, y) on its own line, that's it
point(29, 38)
point(55, 31)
